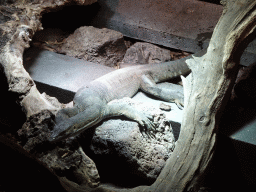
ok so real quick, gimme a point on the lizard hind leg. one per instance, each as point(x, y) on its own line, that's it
point(168, 92)
point(175, 93)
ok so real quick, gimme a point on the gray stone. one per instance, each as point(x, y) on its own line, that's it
point(144, 155)
point(144, 53)
point(103, 46)
point(165, 107)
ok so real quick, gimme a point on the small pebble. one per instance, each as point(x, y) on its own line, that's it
point(165, 107)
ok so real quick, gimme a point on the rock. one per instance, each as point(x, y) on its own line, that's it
point(178, 54)
point(66, 158)
point(165, 107)
point(144, 53)
point(130, 149)
point(50, 39)
point(103, 46)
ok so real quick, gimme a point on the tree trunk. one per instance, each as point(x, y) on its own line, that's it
point(207, 90)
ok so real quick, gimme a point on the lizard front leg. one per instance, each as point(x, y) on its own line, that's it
point(122, 108)
point(172, 93)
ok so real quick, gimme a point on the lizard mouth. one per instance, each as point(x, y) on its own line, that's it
point(52, 139)
point(55, 138)
point(71, 131)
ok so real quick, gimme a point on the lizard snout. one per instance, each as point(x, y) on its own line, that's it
point(62, 131)
point(52, 137)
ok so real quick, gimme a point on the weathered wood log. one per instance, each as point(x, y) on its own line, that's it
point(207, 90)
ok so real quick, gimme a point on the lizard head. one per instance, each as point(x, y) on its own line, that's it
point(74, 126)
point(64, 130)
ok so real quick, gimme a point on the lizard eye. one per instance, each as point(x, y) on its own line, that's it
point(75, 127)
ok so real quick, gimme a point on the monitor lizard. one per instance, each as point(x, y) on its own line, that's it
point(92, 103)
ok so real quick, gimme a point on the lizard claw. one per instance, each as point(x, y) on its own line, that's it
point(148, 135)
point(149, 126)
point(179, 104)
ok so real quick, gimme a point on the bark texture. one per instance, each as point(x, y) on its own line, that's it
point(207, 89)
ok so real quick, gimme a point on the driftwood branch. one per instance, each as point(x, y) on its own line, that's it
point(207, 90)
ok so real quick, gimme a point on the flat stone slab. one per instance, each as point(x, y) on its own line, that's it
point(247, 133)
point(60, 70)
point(186, 25)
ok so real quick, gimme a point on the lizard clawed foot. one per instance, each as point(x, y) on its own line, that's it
point(179, 104)
point(148, 135)
point(149, 127)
